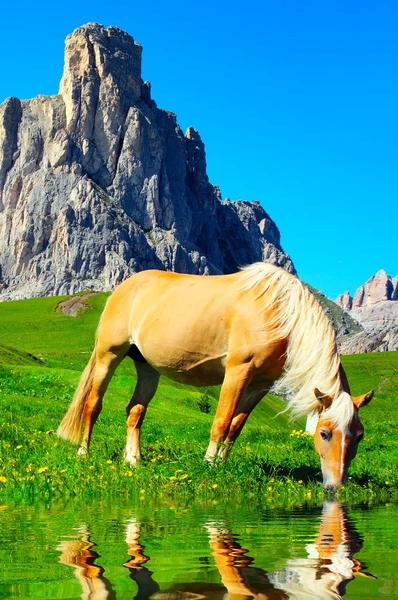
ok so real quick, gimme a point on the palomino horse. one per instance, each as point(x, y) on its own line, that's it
point(251, 330)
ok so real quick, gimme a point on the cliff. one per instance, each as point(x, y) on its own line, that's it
point(97, 183)
point(375, 307)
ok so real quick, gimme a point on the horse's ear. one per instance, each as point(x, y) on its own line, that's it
point(324, 400)
point(360, 401)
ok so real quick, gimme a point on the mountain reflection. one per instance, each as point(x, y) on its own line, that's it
point(322, 573)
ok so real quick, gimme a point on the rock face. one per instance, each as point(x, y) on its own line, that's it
point(379, 288)
point(344, 301)
point(375, 307)
point(97, 183)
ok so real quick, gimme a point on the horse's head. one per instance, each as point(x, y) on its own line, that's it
point(337, 434)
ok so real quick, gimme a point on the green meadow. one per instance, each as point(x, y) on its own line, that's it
point(42, 354)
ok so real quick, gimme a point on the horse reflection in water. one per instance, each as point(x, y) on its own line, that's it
point(322, 574)
point(81, 555)
point(147, 587)
point(330, 565)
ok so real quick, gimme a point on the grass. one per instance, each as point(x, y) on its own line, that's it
point(42, 354)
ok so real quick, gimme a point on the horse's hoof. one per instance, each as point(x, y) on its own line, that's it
point(82, 451)
point(210, 460)
point(133, 460)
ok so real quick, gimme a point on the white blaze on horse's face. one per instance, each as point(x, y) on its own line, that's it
point(336, 439)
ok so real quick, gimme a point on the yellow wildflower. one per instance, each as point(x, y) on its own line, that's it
point(42, 469)
point(3, 479)
point(387, 483)
point(91, 467)
point(184, 476)
point(214, 486)
point(178, 471)
point(109, 461)
point(172, 478)
point(129, 474)
point(18, 447)
point(142, 491)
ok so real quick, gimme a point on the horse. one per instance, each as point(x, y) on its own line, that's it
point(253, 330)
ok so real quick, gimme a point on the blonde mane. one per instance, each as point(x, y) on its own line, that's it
point(311, 359)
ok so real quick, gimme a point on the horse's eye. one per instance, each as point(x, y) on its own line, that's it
point(359, 437)
point(326, 434)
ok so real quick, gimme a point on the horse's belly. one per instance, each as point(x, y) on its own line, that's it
point(185, 345)
point(209, 372)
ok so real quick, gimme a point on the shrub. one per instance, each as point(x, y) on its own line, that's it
point(204, 403)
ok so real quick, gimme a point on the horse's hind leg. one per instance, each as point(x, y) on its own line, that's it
point(105, 366)
point(236, 380)
point(147, 383)
point(245, 407)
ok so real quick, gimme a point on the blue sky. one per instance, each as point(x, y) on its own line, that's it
point(297, 103)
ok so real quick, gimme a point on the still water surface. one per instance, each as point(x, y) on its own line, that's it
point(117, 549)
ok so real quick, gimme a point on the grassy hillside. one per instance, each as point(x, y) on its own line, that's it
point(42, 354)
point(341, 321)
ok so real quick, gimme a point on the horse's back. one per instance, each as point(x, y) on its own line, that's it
point(187, 325)
point(181, 323)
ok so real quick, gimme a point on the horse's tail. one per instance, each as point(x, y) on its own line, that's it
point(71, 425)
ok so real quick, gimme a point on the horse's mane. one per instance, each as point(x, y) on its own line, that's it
point(311, 359)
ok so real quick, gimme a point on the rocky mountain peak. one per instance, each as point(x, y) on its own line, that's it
point(193, 134)
point(98, 183)
point(377, 288)
point(374, 306)
point(344, 301)
point(100, 82)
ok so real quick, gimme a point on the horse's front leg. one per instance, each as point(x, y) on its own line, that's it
point(248, 402)
point(236, 380)
point(147, 383)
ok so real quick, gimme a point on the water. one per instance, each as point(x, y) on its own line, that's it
point(104, 550)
